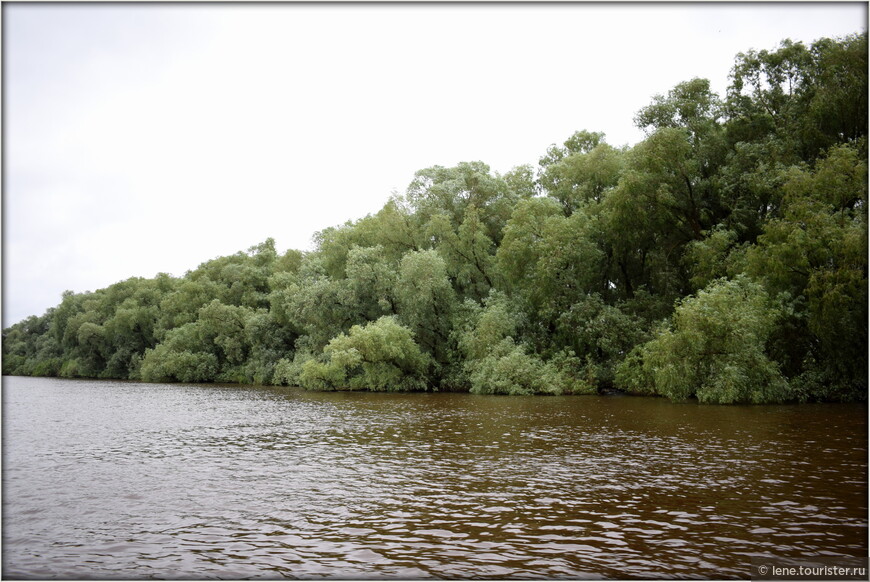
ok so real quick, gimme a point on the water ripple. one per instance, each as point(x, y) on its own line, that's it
point(136, 481)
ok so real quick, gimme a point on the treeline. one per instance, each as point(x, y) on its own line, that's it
point(723, 257)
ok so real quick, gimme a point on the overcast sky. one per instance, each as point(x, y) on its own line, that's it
point(150, 138)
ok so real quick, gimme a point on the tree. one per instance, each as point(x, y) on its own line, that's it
point(784, 107)
point(426, 301)
point(715, 349)
point(451, 191)
point(468, 252)
point(30, 349)
point(495, 362)
point(603, 334)
point(381, 356)
point(816, 255)
point(803, 100)
point(371, 279)
point(213, 348)
point(319, 306)
point(184, 356)
point(723, 257)
point(578, 176)
point(548, 259)
point(269, 342)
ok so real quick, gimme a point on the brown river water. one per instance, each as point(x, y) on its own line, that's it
point(121, 480)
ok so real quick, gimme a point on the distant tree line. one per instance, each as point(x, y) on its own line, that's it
point(724, 257)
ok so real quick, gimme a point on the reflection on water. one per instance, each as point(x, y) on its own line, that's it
point(125, 480)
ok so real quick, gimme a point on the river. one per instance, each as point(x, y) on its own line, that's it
point(120, 480)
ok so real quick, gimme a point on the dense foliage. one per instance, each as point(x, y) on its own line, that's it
point(724, 257)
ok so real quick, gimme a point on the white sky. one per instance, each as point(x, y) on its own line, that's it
point(147, 138)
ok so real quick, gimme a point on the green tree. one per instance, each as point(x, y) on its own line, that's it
point(371, 278)
point(583, 171)
point(801, 100)
point(816, 255)
point(380, 356)
point(184, 356)
point(603, 334)
point(715, 349)
point(451, 191)
point(722, 257)
point(269, 342)
point(495, 362)
point(550, 260)
point(468, 251)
